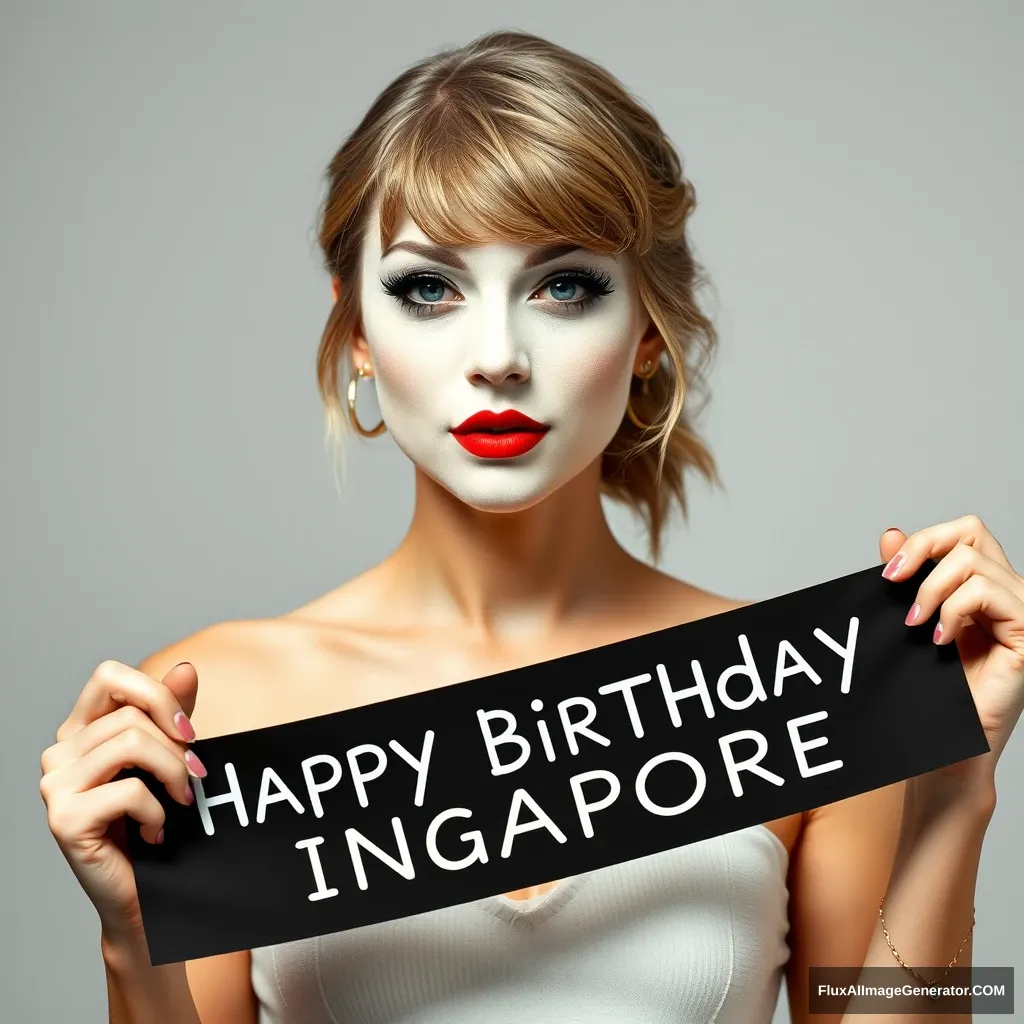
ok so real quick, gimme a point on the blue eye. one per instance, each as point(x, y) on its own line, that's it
point(430, 287)
point(563, 284)
point(436, 288)
point(595, 284)
point(429, 290)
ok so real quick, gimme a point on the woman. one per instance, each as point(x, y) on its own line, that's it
point(505, 235)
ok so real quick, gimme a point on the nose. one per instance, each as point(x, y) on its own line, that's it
point(497, 357)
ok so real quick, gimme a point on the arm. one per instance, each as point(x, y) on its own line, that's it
point(929, 903)
point(216, 989)
point(919, 843)
point(838, 872)
point(121, 719)
point(138, 992)
point(930, 897)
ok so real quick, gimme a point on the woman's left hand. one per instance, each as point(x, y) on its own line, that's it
point(981, 602)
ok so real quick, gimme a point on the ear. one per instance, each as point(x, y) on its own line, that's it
point(358, 349)
point(651, 346)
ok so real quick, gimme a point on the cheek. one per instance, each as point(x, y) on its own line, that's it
point(409, 374)
point(596, 375)
point(608, 371)
point(399, 375)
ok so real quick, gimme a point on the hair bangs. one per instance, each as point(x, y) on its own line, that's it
point(471, 176)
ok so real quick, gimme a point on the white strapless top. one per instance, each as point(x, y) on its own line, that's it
point(686, 936)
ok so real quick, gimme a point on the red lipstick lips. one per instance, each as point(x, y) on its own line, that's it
point(499, 435)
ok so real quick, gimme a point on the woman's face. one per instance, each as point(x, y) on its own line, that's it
point(548, 338)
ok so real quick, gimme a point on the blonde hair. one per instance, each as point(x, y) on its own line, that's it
point(513, 137)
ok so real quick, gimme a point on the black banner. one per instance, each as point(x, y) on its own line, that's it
point(540, 773)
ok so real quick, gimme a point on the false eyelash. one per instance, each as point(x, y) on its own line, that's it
point(597, 282)
point(399, 284)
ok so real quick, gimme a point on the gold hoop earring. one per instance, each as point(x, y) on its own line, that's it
point(634, 419)
point(363, 371)
point(647, 371)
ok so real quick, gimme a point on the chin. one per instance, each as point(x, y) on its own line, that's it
point(513, 496)
point(499, 487)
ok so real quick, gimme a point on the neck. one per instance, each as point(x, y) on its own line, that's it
point(509, 575)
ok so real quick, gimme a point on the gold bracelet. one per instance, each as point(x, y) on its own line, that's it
point(906, 966)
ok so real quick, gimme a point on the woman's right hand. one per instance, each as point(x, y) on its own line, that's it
point(123, 718)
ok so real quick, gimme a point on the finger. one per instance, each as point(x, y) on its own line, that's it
point(953, 570)
point(183, 681)
point(114, 684)
point(128, 716)
point(936, 541)
point(131, 748)
point(87, 815)
point(1003, 610)
point(889, 543)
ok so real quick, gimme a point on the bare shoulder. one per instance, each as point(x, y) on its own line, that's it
point(686, 601)
point(235, 661)
point(718, 603)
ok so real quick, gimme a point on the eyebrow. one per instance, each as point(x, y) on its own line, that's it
point(441, 255)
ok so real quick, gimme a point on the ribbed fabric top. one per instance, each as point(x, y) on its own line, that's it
point(695, 934)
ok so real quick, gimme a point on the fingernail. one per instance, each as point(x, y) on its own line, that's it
point(184, 726)
point(894, 565)
point(190, 797)
point(889, 529)
point(194, 765)
point(159, 837)
point(937, 635)
point(915, 611)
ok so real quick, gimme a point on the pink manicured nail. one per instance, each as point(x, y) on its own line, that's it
point(184, 726)
point(915, 611)
point(159, 837)
point(190, 797)
point(194, 765)
point(894, 565)
point(937, 635)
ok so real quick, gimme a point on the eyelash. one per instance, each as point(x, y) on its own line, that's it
point(596, 282)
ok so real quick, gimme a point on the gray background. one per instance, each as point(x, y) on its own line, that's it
point(858, 170)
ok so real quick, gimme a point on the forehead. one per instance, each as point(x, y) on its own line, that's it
point(409, 238)
point(407, 230)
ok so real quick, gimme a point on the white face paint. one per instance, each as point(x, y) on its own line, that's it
point(499, 336)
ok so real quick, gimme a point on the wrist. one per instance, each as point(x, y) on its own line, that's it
point(138, 991)
point(124, 950)
point(936, 796)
